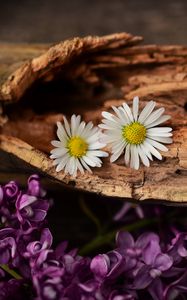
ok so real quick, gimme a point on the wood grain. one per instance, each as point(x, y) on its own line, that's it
point(88, 75)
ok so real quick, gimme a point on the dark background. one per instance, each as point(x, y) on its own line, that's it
point(49, 21)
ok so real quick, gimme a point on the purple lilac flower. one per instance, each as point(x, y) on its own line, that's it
point(109, 265)
point(136, 269)
point(8, 196)
point(125, 209)
point(35, 188)
point(1, 195)
point(22, 220)
point(155, 262)
point(60, 279)
point(178, 246)
point(36, 251)
point(176, 288)
point(13, 290)
point(30, 210)
point(133, 250)
point(11, 190)
point(8, 245)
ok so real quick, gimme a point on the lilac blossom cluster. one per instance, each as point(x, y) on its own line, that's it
point(145, 268)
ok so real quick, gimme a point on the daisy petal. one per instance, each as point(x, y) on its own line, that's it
point(146, 111)
point(79, 166)
point(132, 159)
point(73, 125)
point(163, 134)
point(135, 157)
point(154, 116)
point(67, 167)
point(112, 123)
point(81, 128)
point(135, 107)
point(120, 113)
point(71, 165)
point(143, 156)
point(67, 127)
point(85, 165)
point(87, 130)
point(165, 140)
point(93, 157)
point(89, 126)
point(58, 152)
point(74, 167)
point(88, 161)
point(59, 167)
point(152, 150)
point(116, 153)
point(128, 111)
point(160, 120)
point(157, 145)
point(56, 143)
point(118, 146)
point(62, 164)
point(57, 161)
point(96, 145)
point(104, 126)
point(126, 119)
point(78, 148)
point(108, 116)
point(99, 153)
point(140, 139)
point(127, 154)
point(61, 133)
point(159, 129)
point(74, 175)
point(110, 138)
point(75, 122)
point(146, 151)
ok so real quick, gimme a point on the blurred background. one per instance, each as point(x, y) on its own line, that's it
point(49, 21)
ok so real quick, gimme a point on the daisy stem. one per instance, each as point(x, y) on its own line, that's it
point(11, 272)
point(90, 214)
point(104, 239)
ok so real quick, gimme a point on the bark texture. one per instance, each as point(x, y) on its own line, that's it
point(86, 76)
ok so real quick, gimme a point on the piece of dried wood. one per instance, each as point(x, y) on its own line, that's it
point(86, 76)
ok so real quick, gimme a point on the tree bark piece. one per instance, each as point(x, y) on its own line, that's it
point(87, 76)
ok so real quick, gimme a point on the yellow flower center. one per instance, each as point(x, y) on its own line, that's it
point(134, 133)
point(77, 146)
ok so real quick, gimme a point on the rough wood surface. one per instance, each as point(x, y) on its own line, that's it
point(87, 76)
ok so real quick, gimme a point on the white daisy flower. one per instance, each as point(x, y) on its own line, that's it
point(78, 147)
point(136, 133)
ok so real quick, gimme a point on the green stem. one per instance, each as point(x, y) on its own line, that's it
point(11, 272)
point(90, 214)
point(101, 240)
